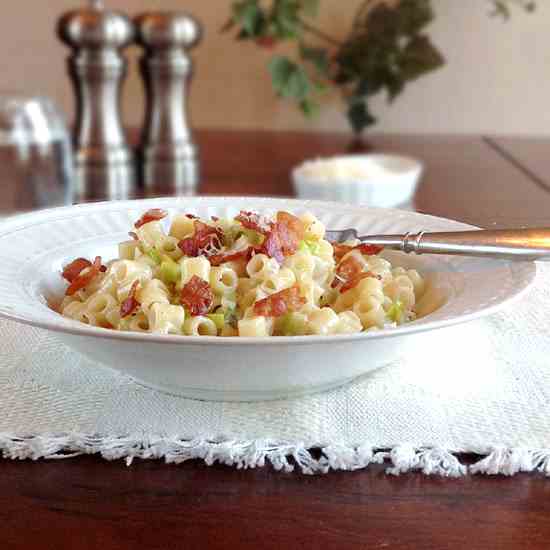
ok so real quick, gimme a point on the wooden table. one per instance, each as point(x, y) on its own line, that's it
point(86, 503)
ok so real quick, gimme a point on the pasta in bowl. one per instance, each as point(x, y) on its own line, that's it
point(246, 276)
point(313, 337)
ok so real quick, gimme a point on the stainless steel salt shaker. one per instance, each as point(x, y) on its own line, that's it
point(104, 160)
point(168, 155)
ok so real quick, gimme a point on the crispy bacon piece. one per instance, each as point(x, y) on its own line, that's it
point(84, 279)
point(292, 223)
point(191, 216)
point(340, 250)
point(251, 220)
point(130, 305)
point(369, 249)
point(218, 259)
point(205, 233)
point(272, 246)
point(347, 270)
point(280, 303)
point(206, 240)
point(188, 247)
point(197, 296)
point(284, 237)
point(152, 215)
point(72, 271)
point(352, 283)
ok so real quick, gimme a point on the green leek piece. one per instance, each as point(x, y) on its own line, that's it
point(229, 301)
point(154, 254)
point(229, 236)
point(253, 237)
point(314, 247)
point(309, 246)
point(232, 234)
point(230, 316)
point(293, 324)
point(395, 312)
point(170, 271)
point(218, 318)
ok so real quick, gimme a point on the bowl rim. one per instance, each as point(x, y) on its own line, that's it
point(75, 328)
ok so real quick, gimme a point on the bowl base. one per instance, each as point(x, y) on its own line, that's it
point(251, 396)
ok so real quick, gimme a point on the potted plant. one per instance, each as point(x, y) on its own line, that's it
point(386, 47)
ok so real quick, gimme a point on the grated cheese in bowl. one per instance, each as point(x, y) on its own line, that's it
point(339, 169)
point(375, 179)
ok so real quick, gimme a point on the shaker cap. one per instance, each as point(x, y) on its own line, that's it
point(96, 28)
point(165, 29)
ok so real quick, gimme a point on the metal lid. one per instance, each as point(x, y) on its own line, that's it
point(160, 30)
point(96, 28)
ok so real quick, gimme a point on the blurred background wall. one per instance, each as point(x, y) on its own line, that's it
point(496, 81)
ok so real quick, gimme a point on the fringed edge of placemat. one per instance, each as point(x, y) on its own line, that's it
point(283, 456)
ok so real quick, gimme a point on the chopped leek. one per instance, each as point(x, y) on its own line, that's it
point(229, 301)
point(395, 311)
point(170, 271)
point(253, 237)
point(231, 235)
point(293, 324)
point(230, 315)
point(225, 316)
point(154, 254)
point(218, 318)
point(309, 246)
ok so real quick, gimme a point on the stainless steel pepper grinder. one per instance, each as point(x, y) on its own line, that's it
point(105, 164)
point(168, 156)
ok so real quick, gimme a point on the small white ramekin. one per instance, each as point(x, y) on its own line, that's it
point(389, 180)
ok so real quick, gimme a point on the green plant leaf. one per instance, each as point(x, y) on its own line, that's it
point(318, 57)
point(280, 68)
point(250, 16)
point(285, 20)
point(309, 107)
point(501, 8)
point(413, 15)
point(363, 88)
point(395, 84)
point(419, 57)
point(359, 115)
point(299, 85)
point(289, 79)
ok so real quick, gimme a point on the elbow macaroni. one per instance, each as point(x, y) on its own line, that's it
point(384, 296)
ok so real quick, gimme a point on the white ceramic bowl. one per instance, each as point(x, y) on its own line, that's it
point(381, 180)
point(34, 247)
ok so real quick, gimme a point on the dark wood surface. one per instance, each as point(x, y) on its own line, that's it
point(86, 503)
point(465, 178)
point(528, 154)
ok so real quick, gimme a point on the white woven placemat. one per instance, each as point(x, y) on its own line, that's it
point(482, 387)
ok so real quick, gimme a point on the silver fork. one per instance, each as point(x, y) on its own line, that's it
point(508, 244)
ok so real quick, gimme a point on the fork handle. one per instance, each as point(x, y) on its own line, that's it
point(509, 244)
